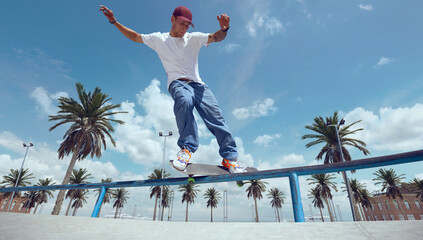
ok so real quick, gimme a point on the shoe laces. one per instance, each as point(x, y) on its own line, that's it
point(234, 164)
point(184, 155)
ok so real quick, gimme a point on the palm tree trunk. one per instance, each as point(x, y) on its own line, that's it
point(211, 214)
point(186, 216)
point(279, 219)
point(334, 210)
point(155, 208)
point(373, 217)
point(357, 213)
point(321, 214)
point(162, 213)
point(36, 206)
point(255, 203)
point(402, 211)
point(362, 212)
point(26, 210)
point(70, 202)
point(355, 209)
point(99, 211)
point(74, 211)
point(330, 212)
point(98, 198)
point(61, 195)
point(117, 209)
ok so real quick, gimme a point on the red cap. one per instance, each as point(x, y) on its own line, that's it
point(183, 13)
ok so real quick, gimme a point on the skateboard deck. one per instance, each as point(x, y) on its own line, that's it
point(207, 170)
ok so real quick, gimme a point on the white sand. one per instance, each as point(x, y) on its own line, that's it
point(29, 226)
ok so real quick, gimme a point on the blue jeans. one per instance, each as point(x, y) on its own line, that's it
point(190, 95)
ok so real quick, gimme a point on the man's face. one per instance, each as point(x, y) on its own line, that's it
point(179, 27)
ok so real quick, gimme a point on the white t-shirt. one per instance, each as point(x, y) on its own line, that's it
point(179, 56)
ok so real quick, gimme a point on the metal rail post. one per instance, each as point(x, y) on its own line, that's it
point(297, 206)
point(99, 202)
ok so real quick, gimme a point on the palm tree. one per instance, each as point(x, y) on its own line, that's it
point(317, 200)
point(156, 190)
point(213, 197)
point(78, 177)
point(327, 135)
point(417, 185)
point(31, 199)
point(365, 200)
point(255, 189)
point(87, 134)
point(189, 194)
point(324, 184)
point(80, 198)
point(121, 195)
point(390, 182)
point(44, 195)
point(355, 188)
point(277, 199)
point(107, 196)
point(12, 178)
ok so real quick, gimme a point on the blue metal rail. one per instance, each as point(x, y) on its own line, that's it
point(292, 173)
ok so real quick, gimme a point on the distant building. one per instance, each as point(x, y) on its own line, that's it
point(388, 209)
point(17, 204)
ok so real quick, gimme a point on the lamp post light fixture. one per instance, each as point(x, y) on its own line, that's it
point(163, 166)
point(20, 171)
point(347, 183)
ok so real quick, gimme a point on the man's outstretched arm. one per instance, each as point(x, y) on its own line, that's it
point(221, 33)
point(129, 33)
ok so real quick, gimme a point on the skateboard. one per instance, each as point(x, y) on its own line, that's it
point(207, 170)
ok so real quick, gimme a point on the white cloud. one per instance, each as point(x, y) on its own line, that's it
point(271, 25)
point(366, 7)
point(283, 161)
point(45, 101)
point(257, 109)
point(394, 129)
point(158, 107)
point(209, 154)
point(383, 61)
point(265, 140)
point(231, 47)
point(291, 159)
point(138, 137)
point(43, 161)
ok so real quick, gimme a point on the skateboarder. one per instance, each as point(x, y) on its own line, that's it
point(178, 50)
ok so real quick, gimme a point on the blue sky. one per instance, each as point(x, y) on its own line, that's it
point(282, 64)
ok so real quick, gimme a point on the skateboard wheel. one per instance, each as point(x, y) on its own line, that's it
point(191, 180)
point(240, 183)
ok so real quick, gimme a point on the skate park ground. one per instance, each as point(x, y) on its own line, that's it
point(29, 226)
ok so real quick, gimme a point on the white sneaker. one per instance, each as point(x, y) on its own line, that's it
point(182, 161)
point(234, 166)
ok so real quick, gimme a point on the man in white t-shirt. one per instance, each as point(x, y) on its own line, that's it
point(178, 50)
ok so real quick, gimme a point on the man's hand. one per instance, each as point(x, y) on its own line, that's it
point(108, 13)
point(221, 33)
point(223, 21)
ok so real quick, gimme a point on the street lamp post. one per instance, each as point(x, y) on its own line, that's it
point(163, 166)
point(20, 171)
point(347, 183)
